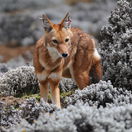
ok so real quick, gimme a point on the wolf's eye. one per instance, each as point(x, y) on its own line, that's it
point(67, 39)
point(55, 41)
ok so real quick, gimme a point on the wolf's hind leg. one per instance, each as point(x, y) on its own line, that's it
point(97, 71)
point(82, 79)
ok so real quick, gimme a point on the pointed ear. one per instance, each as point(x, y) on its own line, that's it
point(47, 24)
point(66, 22)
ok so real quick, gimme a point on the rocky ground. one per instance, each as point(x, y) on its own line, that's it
point(105, 106)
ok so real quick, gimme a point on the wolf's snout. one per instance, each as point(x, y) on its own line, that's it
point(64, 55)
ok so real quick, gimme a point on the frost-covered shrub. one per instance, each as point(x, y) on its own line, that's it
point(19, 5)
point(116, 46)
point(92, 16)
point(67, 84)
point(102, 94)
point(31, 109)
point(9, 116)
point(3, 69)
point(19, 81)
point(18, 29)
point(81, 118)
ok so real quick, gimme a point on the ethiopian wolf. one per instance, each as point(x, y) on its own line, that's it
point(64, 52)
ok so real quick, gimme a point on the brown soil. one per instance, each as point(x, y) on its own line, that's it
point(10, 100)
point(8, 53)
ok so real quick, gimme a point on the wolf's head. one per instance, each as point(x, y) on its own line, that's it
point(58, 36)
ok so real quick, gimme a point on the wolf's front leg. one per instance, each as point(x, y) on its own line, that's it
point(55, 92)
point(44, 90)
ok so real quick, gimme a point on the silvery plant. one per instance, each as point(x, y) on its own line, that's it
point(116, 46)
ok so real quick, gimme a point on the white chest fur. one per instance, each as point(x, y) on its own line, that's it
point(44, 76)
point(54, 54)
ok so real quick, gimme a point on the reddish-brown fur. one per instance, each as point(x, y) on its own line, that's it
point(82, 58)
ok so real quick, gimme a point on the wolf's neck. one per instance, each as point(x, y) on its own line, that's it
point(53, 53)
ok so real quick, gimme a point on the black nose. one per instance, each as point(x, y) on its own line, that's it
point(64, 55)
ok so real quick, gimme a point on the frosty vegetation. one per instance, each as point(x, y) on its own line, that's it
point(83, 118)
point(116, 46)
point(29, 110)
point(18, 81)
point(102, 107)
point(102, 94)
point(98, 107)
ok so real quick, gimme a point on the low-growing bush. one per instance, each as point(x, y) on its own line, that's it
point(19, 81)
point(81, 118)
point(116, 46)
point(100, 95)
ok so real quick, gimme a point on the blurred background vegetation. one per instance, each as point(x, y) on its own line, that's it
point(20, 26)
